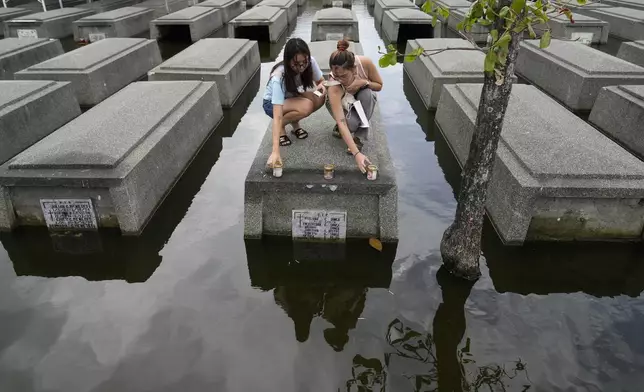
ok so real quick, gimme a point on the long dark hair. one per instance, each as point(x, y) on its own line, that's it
point(342, 57)
point(293, 47)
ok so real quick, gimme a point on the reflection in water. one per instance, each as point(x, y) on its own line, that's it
point(233, 115)
point(424, 117)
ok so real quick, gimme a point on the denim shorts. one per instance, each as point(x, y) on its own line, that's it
point(268, 108)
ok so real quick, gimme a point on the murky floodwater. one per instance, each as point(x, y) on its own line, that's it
point(189, 306)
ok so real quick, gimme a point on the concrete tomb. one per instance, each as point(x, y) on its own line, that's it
point(17, 54)
point(50, 24)
point(624, 23)
point(349, 203)
point(113, 165)
point(260, 23)
point(555, 177)
point(633, 52)
point(100, 69)
point(430, 72)
point(402, 24)
point(337, 3)
point(334, 24)
point(384, 5)
point(586, 9)
point(102, 6)
point(230, 9)
point(572, 72)
point(321, 51)
point(31, 110)
point(479, 32)
point(229, 62)
point(160, 8)
point(290, 6)
point(635, 4)
point(586, 29)
point(619, 113)
point(122, 23)
point(451, 5)
point(10, 13)
point(252, 3)
point(193, 23)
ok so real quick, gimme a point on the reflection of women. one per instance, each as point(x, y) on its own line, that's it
point(353, 78)
point(288, 97)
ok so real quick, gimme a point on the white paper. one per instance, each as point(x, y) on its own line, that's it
point(27, 33)
point(363, 116)
point(69, 214)
point(319, 225)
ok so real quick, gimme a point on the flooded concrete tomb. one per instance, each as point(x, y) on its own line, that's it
point(100, 69)
point(384, 5)
point(402, 24)
point(556, 178)
point(633, 52)
point(17, 54)
point(625, 23)
point(321, 51)
point(619, 113)
point(290, 6)
point(585, 29)
point(113, 165)
point(450, 5)
point(10, 13)
point(360, 207)
point(230, 9)
point(31, 110)
point(165, 7)
point(573, 72)
point(478, 34)
point(334, 24)
point(193, 23)
point(49, 24)
point(121, 23)
point(230, 62)
point(260, 24)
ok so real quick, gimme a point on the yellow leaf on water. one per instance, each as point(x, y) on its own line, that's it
point(375, 243)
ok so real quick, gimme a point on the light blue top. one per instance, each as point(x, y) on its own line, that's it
point(275, 87)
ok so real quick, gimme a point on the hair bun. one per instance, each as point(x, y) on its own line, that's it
point(343, 45)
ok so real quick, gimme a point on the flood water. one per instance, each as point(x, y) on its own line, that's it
point(189, 306)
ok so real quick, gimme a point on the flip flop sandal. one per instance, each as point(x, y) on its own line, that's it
point(336, 132)
point(300, 133)
point(285, 141)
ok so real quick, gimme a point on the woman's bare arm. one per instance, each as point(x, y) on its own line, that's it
point(375, 80)
point(335, 99)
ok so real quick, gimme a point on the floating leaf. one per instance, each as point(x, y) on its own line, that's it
point(375, 243)
point(490, 60)
point(545, 40)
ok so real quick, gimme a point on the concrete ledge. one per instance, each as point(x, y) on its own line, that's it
point(290, 6)
point(31, 110)
point(406, 23)
point(10, 13)
point(371, 206)
point(556, 177)
point(159, 6)
point(334, 24)
point(619, 113)
point(634, 4)
point(17, 54)
point(625, 23)
point(633, 52)
point(585, 27)
point(230, 9)
point(50, 24)
point(321, 51)
point(384, 5)
point(124, 162)
point(229, 62)
point(273, 20)
point(102, 6)
point(121, 23)
point(201, 22)
point(336, 3)
point(479, 33)
point(100, 69)
point(451, 5)
point(574, 73)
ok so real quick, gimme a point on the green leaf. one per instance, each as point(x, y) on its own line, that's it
point(385, 59)
point(495, 35)
point(427, 7)
point(484, 22)
point(393, 59)
point(490, 60)
point(504, 40)
point(517, 6)
point(504, 11)
point(533, 35)
point(538, 4)
point(444, 12)
point(434, 20)
point(582, 2)
point(459, 26)
point(545, 40)
point(568, 13)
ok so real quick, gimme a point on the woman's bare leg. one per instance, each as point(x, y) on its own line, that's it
point(296, 109)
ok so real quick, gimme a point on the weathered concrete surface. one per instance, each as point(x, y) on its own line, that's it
point(159, 6)
point(619, 113)
point(273, 19)
point(321, 51)
point(371, 206)
point(31, 110)
point(625, 23)
point(429, 73)
point(10, 13)
point(290, 6)
point(17, 54)
point(555, 177)
point(252, 3)
point(335, 23)
point(121, 23)
point(124, 154)
point(479, 33)
point(451, 5)
point(584, 28)
point(409, 23)
point(102, 6)
point(230, 9)
point(50, 24)
point(633, 52)
point(336, 3)
point(573, 72)
point(202, 21)
point(384, 5)
point(229, 62)
point(634, 4)
point(587, 8)
point(100, 69)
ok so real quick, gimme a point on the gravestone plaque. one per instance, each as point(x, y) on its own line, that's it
point(584, 38)
point(338, 4)
point(75, 214)
point(334, 36)
point(312, 225)
point(27, 33)
point(93, 37)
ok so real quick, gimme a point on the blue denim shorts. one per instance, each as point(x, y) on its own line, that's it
point(268, 108)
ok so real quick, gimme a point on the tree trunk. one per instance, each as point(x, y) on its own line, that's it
point(461, 244)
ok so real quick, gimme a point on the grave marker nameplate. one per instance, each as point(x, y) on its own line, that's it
point(584, 38)
point(77, 214)
point(93, 37)
point(27, 33)
point(334, 36)
point(319, 225)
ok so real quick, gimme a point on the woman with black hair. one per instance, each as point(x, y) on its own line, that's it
point(294, 91)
